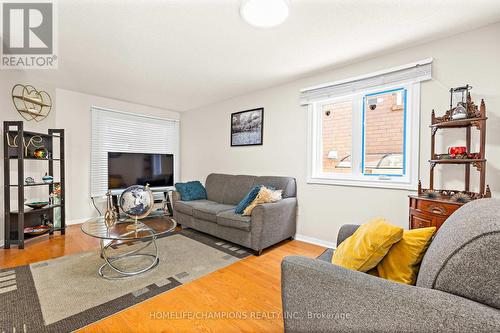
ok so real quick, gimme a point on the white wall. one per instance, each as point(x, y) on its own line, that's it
point(466, 58)
point(73, 114)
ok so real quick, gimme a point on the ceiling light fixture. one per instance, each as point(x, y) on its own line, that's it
point(264, 13)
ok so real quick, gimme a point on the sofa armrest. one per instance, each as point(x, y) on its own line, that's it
point(322, 297)
point(273, 222)
point(176, 196)
point(346, 231)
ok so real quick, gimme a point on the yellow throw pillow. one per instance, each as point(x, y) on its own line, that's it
point(265, 196)
point(364, 249)
point(402, 262)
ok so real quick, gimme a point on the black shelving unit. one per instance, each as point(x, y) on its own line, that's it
point(16, 220)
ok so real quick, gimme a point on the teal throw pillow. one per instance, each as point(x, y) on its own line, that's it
point(191, 191)
point(247, 200)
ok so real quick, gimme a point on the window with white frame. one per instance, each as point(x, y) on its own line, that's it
point(365, 131)
point(117, 131)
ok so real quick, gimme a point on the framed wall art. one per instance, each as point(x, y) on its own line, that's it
point(247, 127)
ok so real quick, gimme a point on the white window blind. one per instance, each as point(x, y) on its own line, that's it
point(115, 131)
point(415, 72)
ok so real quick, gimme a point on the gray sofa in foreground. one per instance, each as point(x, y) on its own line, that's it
point(269, 224)
point(458, 285)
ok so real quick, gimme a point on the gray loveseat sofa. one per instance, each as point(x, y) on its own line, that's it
point(269, 224)
point(458, 285)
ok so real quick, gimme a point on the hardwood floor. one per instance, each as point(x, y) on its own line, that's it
point(48, 247)
point(243, 297)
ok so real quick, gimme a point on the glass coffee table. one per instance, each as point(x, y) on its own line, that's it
point(149, 229)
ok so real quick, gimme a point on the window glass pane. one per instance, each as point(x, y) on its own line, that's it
point(337, 137)
point(384, 131)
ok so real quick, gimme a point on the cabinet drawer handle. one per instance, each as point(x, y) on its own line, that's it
point(437, 210)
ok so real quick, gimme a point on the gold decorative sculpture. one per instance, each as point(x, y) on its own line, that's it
point(35, 141)
point(31, 103)
point(110, 216)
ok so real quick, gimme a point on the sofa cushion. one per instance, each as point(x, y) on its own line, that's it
point(215, 185)
point(236, 188)
point(265, 195)
point(247, 200)
point(230, 189)
point(402, 262)
point(186, 207)
point(367, 246)
point(287, 184)
point(208, 211)
point(229, 218)
point(191, 191)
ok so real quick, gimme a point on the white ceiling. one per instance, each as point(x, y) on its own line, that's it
point(184, 54)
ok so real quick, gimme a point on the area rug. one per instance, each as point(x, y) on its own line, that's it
point(64, 294)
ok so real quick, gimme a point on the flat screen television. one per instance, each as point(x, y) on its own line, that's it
point(127, 169)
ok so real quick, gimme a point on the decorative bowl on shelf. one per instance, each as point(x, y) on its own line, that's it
point(443, 156)
point(29, 181)
point(37, 204)
point(455, 151)
point(37, 230)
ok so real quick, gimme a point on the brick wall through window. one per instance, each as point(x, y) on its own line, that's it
point(384, 128)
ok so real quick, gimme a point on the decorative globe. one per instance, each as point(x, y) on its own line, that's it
point(137, 201)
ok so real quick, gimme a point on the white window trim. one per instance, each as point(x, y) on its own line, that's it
point(314, 143)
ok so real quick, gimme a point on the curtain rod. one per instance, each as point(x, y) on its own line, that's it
point(133, 114)
point(366, 76)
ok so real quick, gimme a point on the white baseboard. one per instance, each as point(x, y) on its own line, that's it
point(1, 244)
point(315, 241)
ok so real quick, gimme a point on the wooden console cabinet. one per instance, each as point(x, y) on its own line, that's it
point(425, 212)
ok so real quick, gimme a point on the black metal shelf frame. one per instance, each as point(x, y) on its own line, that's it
point(21, 211)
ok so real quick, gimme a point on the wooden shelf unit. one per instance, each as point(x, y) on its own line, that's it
point(15, 220)
point(480, 163)
point(458, 123)
point(457, 161)
point(428, 211)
